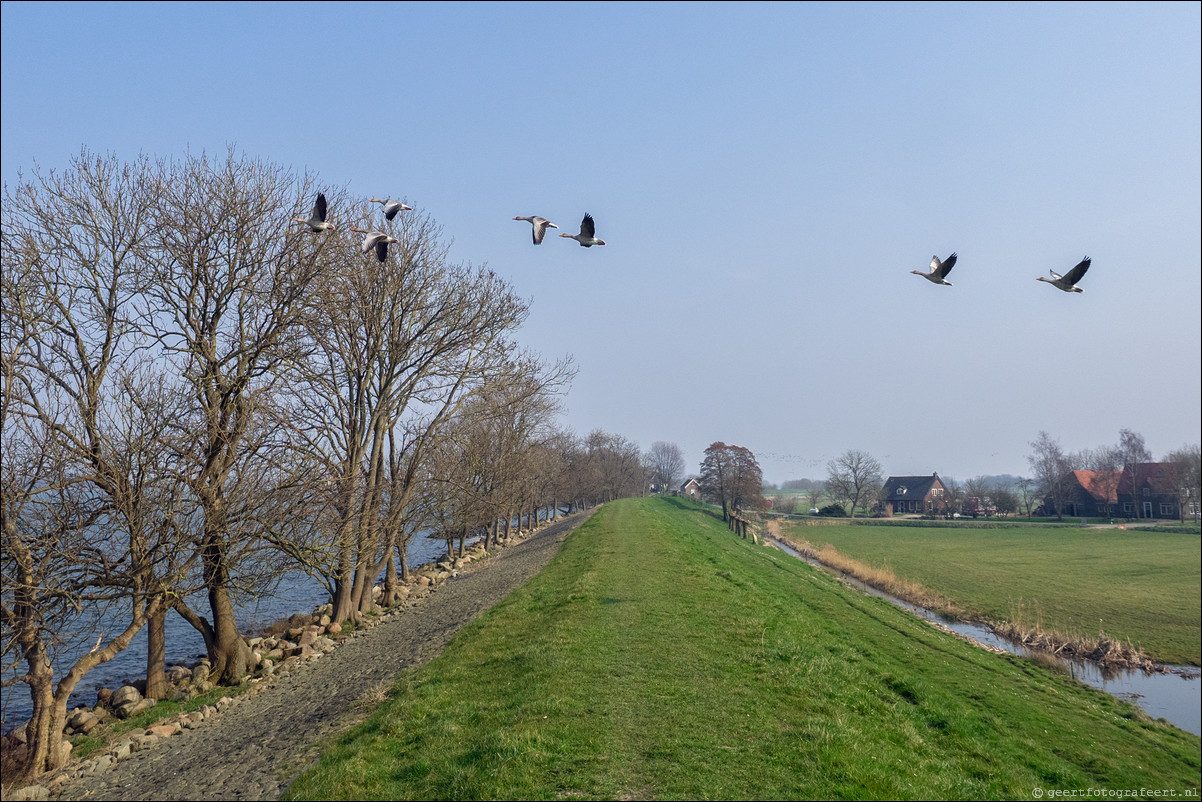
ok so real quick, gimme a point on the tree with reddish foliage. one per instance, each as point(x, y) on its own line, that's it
point(731, 476)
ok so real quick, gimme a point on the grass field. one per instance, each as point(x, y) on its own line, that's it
point(660, 657)
point(1143, 587)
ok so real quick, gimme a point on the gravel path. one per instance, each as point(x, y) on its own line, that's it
point(264, 741)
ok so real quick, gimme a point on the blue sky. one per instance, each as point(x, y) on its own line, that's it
point(765, 177)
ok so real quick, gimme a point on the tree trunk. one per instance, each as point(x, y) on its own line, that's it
point(156, 656)
point(44, 732)
point(390, 582)
point(229, 654)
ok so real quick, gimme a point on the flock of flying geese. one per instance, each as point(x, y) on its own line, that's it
point(1067, 282)
point(379, 241)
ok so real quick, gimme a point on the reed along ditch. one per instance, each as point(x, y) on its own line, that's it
point(1173, 693)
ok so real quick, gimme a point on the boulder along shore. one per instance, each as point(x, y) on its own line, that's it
point(254, 745)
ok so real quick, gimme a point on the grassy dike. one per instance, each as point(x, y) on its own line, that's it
point(659, 656)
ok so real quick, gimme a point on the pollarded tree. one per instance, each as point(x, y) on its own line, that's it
point(853, 477)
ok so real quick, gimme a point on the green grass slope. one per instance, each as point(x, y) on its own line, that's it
point(660, 657)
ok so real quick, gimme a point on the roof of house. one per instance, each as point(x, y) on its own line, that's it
point(1102, 485)
point(1161, 477)
point(898, 488)
point(685, 486)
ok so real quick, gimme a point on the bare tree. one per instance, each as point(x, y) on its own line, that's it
point(398, 347)
point(91, 514)
point(952, 501)
point(854, 477)
point(1134, 455)
point(1051, 467)
point(1028, 494)
point(1187, 462)
point(618, 465)
point(489, 463)
point(1005, 500)
point(230, 273)
point(814, 496)
point(666, 465)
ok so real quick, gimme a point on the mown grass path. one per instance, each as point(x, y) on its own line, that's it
point(658, 656)
point(1134, 585)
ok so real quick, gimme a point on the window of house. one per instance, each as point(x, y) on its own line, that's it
point(1147, 492)
point(1166, 509)
point(1128, 508)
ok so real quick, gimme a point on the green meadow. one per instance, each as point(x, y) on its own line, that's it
point(658, 656)
point(1134, 585)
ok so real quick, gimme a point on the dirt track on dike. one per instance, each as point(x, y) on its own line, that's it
point(264, 741)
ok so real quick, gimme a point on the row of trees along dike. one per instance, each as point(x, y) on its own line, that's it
point(200, 395)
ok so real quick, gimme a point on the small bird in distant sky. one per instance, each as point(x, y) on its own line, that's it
point(1068, 282)
point(541, 224)
point(588, 233)
point(391, 207)
point(378, 240)
point(317, 219)
point(938, 270)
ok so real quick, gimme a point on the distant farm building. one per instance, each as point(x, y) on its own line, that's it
point(1089, 494)
point(914, 494)
point(1155, 491)
point(691, 489)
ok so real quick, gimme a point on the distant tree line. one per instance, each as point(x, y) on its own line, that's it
point(855, 482)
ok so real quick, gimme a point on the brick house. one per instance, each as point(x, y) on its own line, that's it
point(1155, 486)
point(1089, 494)
point(691, 489)
point(913, 494)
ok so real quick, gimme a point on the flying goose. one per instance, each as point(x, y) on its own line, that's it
point(1068, 282)
point(938, 270)
point(540, 224)
point(391, 207)
point(588, 233)
point(378, 240)
point(317, 219)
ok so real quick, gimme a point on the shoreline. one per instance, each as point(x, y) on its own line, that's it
point(261, 740)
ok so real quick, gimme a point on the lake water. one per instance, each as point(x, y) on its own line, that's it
point(1173, 696)
point(296, 593)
